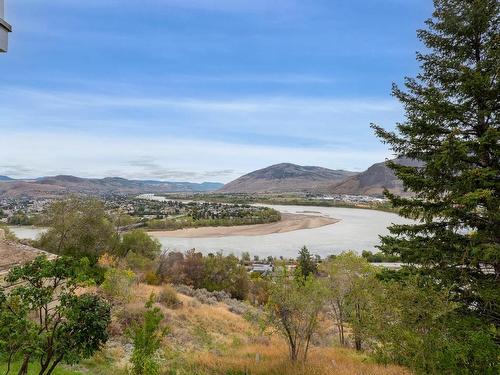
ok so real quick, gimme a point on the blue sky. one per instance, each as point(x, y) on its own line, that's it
point(201, 90)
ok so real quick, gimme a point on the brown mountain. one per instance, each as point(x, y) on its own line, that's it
point(286, 178)
point(60, 185)
point(373, 181)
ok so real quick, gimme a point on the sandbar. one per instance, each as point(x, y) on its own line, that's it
point(288, 223)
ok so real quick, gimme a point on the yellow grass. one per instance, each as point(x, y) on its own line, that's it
point(211, 340)
point(272, 359)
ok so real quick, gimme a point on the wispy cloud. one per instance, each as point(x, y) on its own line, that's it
point(260, 120)
point(15, 170)
point(149, 167)
point(149, 157)
point(71, 100)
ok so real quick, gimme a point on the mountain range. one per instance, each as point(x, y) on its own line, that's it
point(279, 178)
point(374, 180)
point(60, 185)
point(286, 178)
point(292, 178)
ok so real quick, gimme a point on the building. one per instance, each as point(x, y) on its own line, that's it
point(5, 29)
point(262, 269)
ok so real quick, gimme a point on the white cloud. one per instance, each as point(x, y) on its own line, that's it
point(96, 134)
point(171, 158)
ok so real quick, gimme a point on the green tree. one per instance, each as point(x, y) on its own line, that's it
point(225, 273)
point(147, 338)
point(78, 227)
point(293, 309)
point(43, 319)
point(140, 243)
point(452, 127)
point(350, 281)
point(414, 323)
point(306, 264)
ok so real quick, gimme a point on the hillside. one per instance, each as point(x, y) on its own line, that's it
point(285, 178)
point(208, 337)
point(58, 185)
point(373, 181)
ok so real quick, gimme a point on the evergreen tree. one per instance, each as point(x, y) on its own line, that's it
point(307, 266)
point(452, 128)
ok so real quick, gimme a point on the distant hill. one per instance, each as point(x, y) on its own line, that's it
point(373, 181)
point(286, 178)
point(59, 185)
point(5, 178)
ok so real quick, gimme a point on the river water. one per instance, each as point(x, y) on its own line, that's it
point(357, 230)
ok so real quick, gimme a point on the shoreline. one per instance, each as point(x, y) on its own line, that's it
point(288, 223)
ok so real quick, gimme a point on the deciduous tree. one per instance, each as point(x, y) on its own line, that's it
point(293, 309)
point(43, 319)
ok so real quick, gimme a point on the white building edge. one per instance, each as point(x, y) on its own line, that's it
point(5, 29)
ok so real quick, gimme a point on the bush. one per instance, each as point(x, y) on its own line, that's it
point(225, 273)
point(138, 262)
point(117, 284)
point(185, 289)
point(147, 338)
point(151, 278)
point(168, 297)
point(129, 316)
point(205, 297)
point(139, 242)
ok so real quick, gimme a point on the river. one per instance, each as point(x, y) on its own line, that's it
point(358, 230)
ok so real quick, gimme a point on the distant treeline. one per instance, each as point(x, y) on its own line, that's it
point(286, 199)
point(260, 216)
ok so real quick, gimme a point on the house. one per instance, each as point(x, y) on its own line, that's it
point(5, 29)
point(262, 269)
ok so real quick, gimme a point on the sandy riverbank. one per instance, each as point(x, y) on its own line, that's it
point(288, 223)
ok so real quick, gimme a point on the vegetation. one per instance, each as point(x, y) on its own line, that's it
point(414, 323)
point(79, 228)
point(68, 326)
point(285, 199)
point(294, 306)
point(140, 243)
point(168, 297)
point(306, 265)
point(147, 340)
point(215, 272)
point(222, 215)
point(21, 218)
point(452, 128)
point(380, 257)
point(117, 284)
point(350, 282)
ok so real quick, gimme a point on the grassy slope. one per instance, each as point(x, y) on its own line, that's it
point(33, 370)
point(210, 340)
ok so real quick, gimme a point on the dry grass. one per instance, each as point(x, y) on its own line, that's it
point(211, 340)
point(272, 359)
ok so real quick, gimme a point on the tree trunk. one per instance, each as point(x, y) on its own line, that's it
point(54, 364)
point(357, 338)
point(24, 367)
